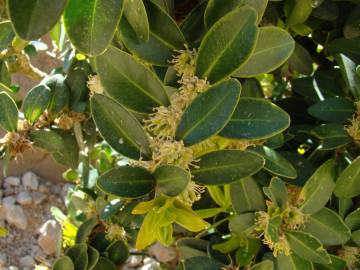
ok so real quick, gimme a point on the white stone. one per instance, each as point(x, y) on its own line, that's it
point(43, 189)
point(9, 200)
point(50, 236)
point(38, 197)
point(162, 253)
point(24, 198)
point(30, 181)
point(3, 259)
point(27, 261)
point(12, 181)
point(55, 189)
point(15, 216)
point(12, 267)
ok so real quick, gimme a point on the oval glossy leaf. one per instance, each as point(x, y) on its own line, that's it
point(224, 49)
point(336, 110)
point(331, 136)
point(33, 18)
point(128, 182)
point(264, 265)
point(202, 263)
point(246, 196)
point(256, 119)
point(78, 255)
point(293, 262)
point(277, 192)
point(165, 37)
point(63, 263)
point(129, 82)
point(118, 252)
point(9, 113)
point(135, 13)
point(318, 189)
point(216, 9)
point(274, 46)
point(91, 25)
point(226, 166)
point(171, 180)
point(299, 13)
point(35, 102)
point(355, 237)
point(47, 139)
point(348, 72)
point(353, 220)
point(68, 155)
point(6, 35)
point(348, 183)
point(274, 162)
point(208, 114)
point(93, 256)
point(193, 26)
point(85, 230)
point(105, 264)
point(301, 60)
point(349, 47)
point(60, 93)
point(328, 227)
point(307, 247)
point(337, 263)
point(119, 128)
point(243, 224)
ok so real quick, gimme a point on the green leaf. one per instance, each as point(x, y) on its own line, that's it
point(35, 102)
point(348, 72)
point(274, 162)
point(33, 18)
point(355, 237)
point(6, 34)
point(193, 26)
point(226, 166)
point(246, 196)
point(300, 11)
point(118, 252)
point(91, 25)
point(208, 114)
point(353, 220)
point(336, 264)
point(274, 46)
point(135, 13)
point(337, 110)
point(85, 230)
point(293, 262)
point(349, 47)
point(60, 93)
point(264, 265)
point(63, 263)
point(246, 253)
point(165, 37)
point(68, 155)
point(318, 189)
point(301, 60)
point(220, 57)
point(9, 112)
point(78, 255)
point(307, 247)
point(128, 182)
point(171, 180)
point(105, 264)
point(201, 263)
point(216, 9)
point(328, 227)
point(332, 136)
point(277, 192)
point(348, 183)
point(243, 224)
point(129, 82)
point(47, 139)
point(93, 256)
point(256, 119)
point(119, 128)
point(272, 230)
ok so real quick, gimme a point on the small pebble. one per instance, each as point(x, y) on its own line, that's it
point(38, 197)
point(15, 216)
point(43, 189)
point(55, 189)
point(3, 259)
point(27, 261)
point(24, 198)
point(12, 267)
point(9, 191)
point(9, 200)
point(50, 235)
point(12, 181)
point(30, 181)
